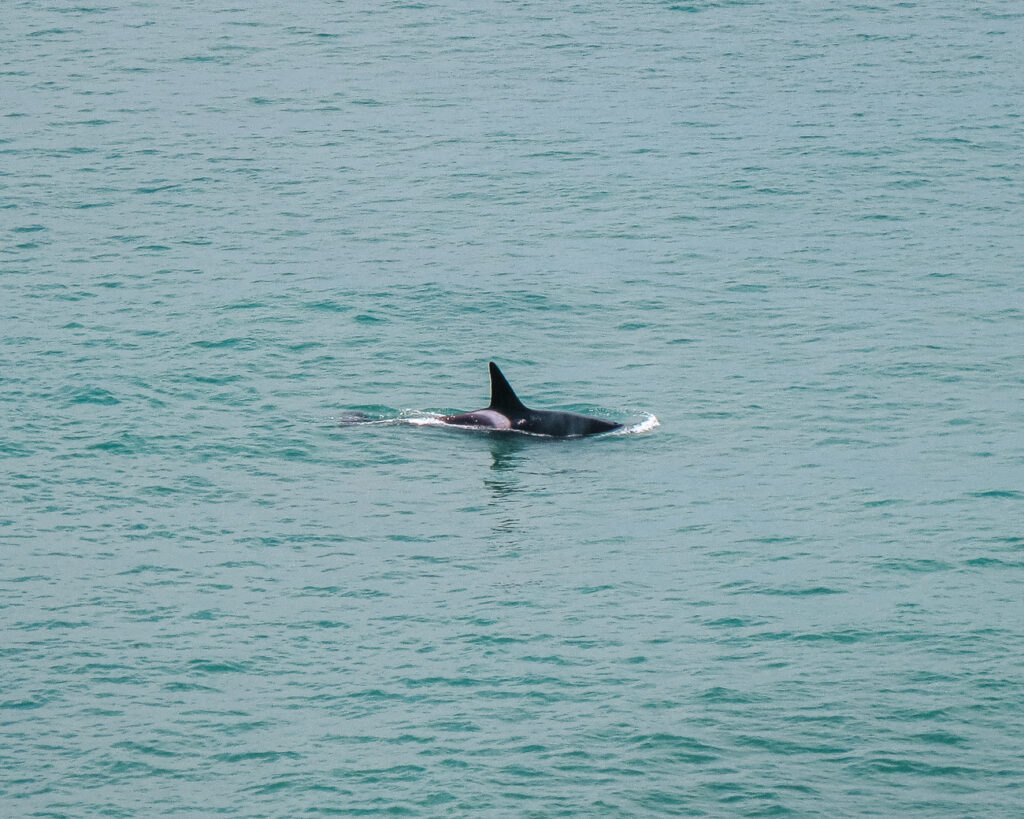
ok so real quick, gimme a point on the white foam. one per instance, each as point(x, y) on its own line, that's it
point(422, 420)
point(646, 425)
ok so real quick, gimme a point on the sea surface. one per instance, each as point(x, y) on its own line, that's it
point(782, 242)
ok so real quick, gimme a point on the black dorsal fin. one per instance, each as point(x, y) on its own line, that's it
point(503, 397)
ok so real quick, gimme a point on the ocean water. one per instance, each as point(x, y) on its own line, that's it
point(790, 232)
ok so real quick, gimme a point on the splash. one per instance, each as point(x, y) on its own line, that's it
point(414, 418)
point(422, 420)
point(646, 425)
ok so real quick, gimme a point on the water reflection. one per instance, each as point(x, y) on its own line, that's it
point(506, 458)
point(504, 482)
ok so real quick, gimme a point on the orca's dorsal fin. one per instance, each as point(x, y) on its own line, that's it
point(503, 397)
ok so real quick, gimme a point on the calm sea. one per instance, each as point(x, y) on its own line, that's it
point(791, 232)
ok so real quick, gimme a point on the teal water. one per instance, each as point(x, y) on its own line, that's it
point(790, 232)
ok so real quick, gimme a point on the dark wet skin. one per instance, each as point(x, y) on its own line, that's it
point(508, 414)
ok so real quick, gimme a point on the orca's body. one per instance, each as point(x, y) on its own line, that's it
point(507, 413)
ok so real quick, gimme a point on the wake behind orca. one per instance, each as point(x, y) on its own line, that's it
point(506, 413)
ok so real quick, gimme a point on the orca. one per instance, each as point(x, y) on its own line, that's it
point(506, 413)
